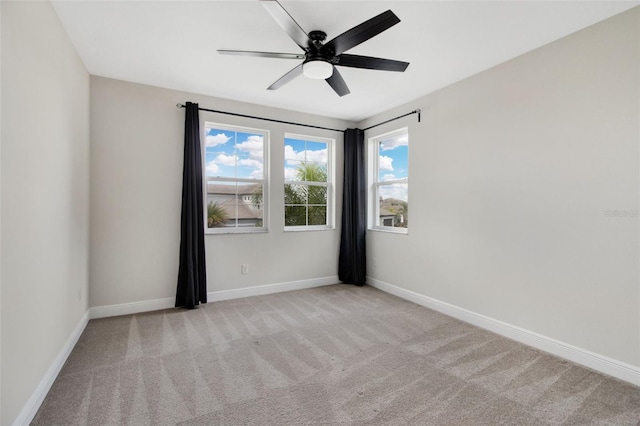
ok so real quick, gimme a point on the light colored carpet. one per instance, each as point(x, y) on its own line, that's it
point(330, 355)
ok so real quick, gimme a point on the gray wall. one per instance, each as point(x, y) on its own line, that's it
point(136, 174)
point(45, 198)
point(512, 172)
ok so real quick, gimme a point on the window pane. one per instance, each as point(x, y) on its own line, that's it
point(393, 158)
point(315, 172)
point(217, 215)
point(293, 170)
point(316, 152)
point(220, 164)
point(394, 205)
point(390, 180)
point(295, 194)
point(250, 167)
point(317, 215)
point(317, 194)
point(233, 154)
point(294, 149)
point(248, 215)
point(219, 152)
point(231, 204)
point(306, 161)
point(299, 154)
point(250, 154)
point(295, 215)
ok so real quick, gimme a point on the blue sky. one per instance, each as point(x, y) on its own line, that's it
point(233, 154)
point(297, 152)
point(393, 158)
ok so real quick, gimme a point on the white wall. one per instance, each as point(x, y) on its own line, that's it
point(136, 172)
point(0, 212)
point(45, 204)
point(511, 174)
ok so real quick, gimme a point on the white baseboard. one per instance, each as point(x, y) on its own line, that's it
point(131, 308)
point(30, 409)
point(601, 363)
point(212, 296)
point(216, 296)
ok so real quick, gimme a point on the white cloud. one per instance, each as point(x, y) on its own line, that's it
point(219, 139)
point(212, 168)
point(253, 145)
point(290, 173)
point(398, 191)
point(385, 163)
point(389, 176)
point(257, 173)
point(319, 155)
point(393, 143)
point(226, 160)
point(249, 162)
point(291, 154)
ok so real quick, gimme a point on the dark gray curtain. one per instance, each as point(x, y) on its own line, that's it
point(352, 263)
point(192, 275)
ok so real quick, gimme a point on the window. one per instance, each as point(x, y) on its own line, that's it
point(235, 178)
point(389, 179)
point(307, 183)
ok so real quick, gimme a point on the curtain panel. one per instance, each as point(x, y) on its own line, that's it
point(352, 263)
point(192, 275)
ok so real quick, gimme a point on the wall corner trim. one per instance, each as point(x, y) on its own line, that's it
point(30, 409)
point(600, 363)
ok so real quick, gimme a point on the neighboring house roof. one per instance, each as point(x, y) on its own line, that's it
point(244, 210)
point(245, 189)
point(385, 212)
point(393, 201)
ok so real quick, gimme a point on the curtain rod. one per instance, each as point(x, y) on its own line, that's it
point(415, 111)
point(263, 118)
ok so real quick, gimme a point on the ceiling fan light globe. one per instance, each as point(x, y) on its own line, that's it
point(319, 70)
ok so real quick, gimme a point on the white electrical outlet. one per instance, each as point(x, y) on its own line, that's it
point(245, 268)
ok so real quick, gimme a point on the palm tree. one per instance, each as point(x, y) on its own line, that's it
point(299, 198)
point(216, 215)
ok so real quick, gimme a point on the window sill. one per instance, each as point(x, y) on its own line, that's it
point(389, 230)
point(221, 231)
point(307, 228)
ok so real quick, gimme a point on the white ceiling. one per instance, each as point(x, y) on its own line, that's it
point(173, 44)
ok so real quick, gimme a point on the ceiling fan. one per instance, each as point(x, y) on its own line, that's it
point(320, 58)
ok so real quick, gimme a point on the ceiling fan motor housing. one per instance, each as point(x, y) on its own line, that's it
point(317, 36)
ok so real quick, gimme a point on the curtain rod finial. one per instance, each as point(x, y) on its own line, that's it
point(179, 105)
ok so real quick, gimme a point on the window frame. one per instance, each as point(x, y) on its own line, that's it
point(266, 135)
point(374, 183)
point(329, 184)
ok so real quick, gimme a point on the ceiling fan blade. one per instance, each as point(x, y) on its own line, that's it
point(296, 72)
point(357, 61)
point(337, 83)
point(286, 22)
point(361, 33)
point(261, 54)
